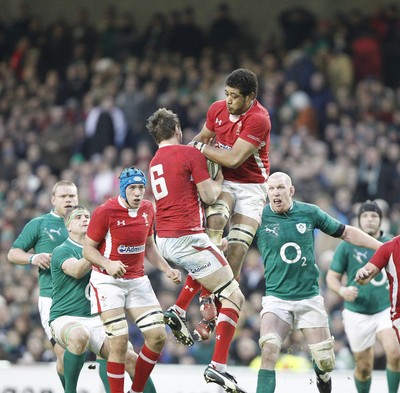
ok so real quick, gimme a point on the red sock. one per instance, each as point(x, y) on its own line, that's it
point(116, 376)
point(226, 326)
point(188, 292)
point(144, 366)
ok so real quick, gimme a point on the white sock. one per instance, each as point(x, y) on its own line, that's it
point(219, 367)
point(325, 377)
point(181, 311)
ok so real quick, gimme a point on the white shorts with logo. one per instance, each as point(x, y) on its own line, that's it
point(299, 314)
point(108, 293)
point(249, 199)
point(197, 254)
point(361, 329)
point(44, 304)
point(94, 324)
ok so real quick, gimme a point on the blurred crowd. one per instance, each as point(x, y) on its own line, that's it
point(74, 98)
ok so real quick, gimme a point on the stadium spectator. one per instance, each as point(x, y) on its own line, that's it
point(25, 106)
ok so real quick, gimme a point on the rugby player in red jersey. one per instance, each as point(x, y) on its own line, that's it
point(120, 235)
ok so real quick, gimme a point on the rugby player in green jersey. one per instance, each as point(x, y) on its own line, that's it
point(292, 301)
point(72, 325)
point(34, 246)
point(366, 314)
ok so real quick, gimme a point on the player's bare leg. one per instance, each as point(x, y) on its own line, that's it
point(59, 351)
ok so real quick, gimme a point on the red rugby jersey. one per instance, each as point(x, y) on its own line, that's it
point(254, 126)
point(174, 172)
point(122, 233)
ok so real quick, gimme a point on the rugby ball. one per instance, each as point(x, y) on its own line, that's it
point(213, 168)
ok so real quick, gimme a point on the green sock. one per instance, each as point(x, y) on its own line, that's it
point(62, 379)
point(363, 386)
point(103, 373)
point(72, 367)
point(393, 380)
point(266, 381)
point(149, 387)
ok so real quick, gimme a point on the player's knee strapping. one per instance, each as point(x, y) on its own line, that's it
point(226, 290)
point(150, 320)
point(242, 234)
point(272, 339)
point(219, 208)
point(323, 354)
point(116, 326)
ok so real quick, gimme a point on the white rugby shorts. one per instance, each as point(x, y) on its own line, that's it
point(44, 304)
point(299, 314)
point(197, 254)
point(249, 199)
point(94, 324)
point(361, 329)
point(107, 293)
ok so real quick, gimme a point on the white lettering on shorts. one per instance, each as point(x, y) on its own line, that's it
point(200, 268)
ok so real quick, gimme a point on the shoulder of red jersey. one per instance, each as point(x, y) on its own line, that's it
point(259, 111)
point(395, 242)
point(147, 205)
point(191, 151)
point(182, 153)
point(217, 107)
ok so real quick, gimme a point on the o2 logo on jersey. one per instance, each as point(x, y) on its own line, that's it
point(291, 253)
point(122, 249)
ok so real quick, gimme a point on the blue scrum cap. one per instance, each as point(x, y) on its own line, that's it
point(130, 176)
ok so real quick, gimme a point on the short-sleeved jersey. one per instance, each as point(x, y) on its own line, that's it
point(286, 244)
point(388, 256)
point(373, 297)
point(70, 295)
point(42, 234)
point(254, 126)
point(174, 172)
point(122, 233)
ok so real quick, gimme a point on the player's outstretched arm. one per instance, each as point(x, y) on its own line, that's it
point(365, 274)
point(359, 238)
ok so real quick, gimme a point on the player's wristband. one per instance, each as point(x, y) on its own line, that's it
point(341, 291)
point(31, 258)
point(199, 146)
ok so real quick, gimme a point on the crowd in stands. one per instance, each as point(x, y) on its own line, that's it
point(74, 98)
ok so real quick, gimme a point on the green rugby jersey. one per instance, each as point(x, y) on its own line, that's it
point(286, 244)
point(70, 295)
point(373, 297)
point(42, 234)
